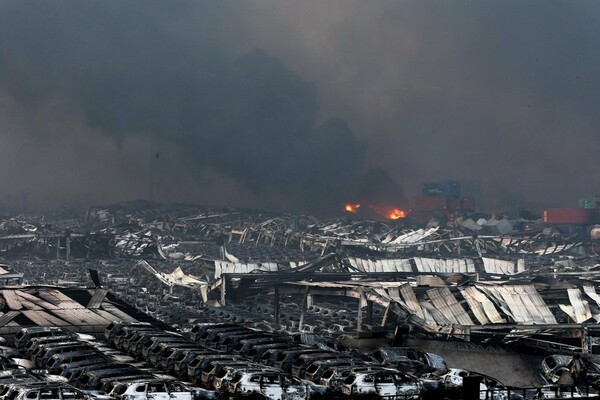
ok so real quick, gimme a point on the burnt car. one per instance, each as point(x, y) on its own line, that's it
point(256, 353)
point(91, 380)
point(75, 374)
point(554, 366)
point(304, 360)
point(271, 385)
point(408, 359)
point(115, 329)
point(228, 372)
point(33, 343)
point(136, 345)
point(26, 334)
point(199, 329)
point(244, 346)
point(153, 346)
point(161, 357)
point(182, 363)
point(43, 390)
point(54, 363)
point(198, 364)
point(157, 390)
point(42, 354)
point(383, 383)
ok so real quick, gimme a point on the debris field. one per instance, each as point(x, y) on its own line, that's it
point(142, 300)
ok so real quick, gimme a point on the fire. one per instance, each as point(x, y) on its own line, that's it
point(385, 212)
point(352, 208)
point(396, 213)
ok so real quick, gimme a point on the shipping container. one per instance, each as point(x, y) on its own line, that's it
point(453, 204)
point(570, 216)
point(445, 188)
point(587, 203)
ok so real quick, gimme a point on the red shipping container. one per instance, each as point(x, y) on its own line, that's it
point(429, 203)
point(570, 216)
point(453, 204)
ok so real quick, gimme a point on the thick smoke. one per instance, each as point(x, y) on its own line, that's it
point(148, 70)
point(504, 92)
point(240, 99)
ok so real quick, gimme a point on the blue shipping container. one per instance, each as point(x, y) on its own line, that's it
point(445, 188)
point(587, 203)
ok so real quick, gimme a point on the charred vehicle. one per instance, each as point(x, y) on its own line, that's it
point(409, 359)
point(382, 383)
point(271, 385)
point(157, 390)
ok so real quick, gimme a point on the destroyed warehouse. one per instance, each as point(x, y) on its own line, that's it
point(222, 302)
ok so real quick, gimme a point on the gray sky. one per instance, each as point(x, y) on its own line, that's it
point(295, 105)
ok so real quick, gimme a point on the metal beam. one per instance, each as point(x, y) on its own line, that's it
point(303, 307)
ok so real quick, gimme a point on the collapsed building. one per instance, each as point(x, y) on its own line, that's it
point(494, 297)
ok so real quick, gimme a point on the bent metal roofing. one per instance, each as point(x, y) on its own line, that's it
point(75, 309)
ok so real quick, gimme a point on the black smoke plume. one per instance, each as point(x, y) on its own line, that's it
point(162, 72)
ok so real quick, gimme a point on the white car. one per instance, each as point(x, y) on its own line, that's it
point(272, 385)
point(157, 390)
point(383, 383)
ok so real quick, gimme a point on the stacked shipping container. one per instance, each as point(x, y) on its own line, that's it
point(575, 221)
point(440, 197)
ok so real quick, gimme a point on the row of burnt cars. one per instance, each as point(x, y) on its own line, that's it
point(53, 364)
point(140, 362)
point(236, 361)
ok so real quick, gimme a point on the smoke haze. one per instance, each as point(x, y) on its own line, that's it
point(296, 106)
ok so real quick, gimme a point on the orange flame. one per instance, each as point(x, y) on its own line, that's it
point(352, 208)
point(396, 213)
point(388, 212)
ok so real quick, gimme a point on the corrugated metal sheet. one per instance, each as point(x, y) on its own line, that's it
point(445, 302)
point(447, 266)
point(475, 305)
point(435, 265)
point(59, 299)
point(98, 296)
point(5, 319)
point(430, 280)
point(226, 267)
point(385, 265)
point(82, 316)
point(591, 292)
point(502, 267)
point(433, 315)
point(411, 300)
point(40, 303)
point(581, 308)
point(414, 236)
point(43, 318)
point(12, 300)
point(521, 302)
point(487, 305)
